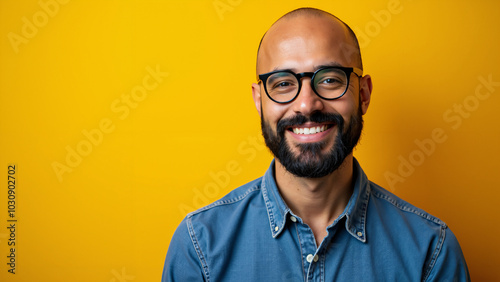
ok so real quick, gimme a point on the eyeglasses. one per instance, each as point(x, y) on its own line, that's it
point(328, 83)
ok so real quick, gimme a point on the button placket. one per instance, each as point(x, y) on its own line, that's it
point(307, 245)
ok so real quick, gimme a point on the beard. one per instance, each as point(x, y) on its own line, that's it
point(311, 162)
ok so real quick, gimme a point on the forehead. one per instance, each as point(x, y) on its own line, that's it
point(304, 42)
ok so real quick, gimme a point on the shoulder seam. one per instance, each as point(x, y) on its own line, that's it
point(197, 248)
point(408, 208)
point(225, 202)
point(435, 254)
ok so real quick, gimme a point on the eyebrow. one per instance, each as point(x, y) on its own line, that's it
point(329, 64)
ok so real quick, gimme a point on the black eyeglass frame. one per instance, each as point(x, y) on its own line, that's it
point(263, 78)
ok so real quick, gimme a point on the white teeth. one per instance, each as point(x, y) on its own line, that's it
point(311, 130)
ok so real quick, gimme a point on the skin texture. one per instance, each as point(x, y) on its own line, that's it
point(302, 43)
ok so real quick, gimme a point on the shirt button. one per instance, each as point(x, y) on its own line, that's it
point(276, 228)
point(316, 257)
point(359, 233)
point(309, 258)
point(293, 218)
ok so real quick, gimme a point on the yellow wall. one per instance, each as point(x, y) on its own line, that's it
point(121, 116)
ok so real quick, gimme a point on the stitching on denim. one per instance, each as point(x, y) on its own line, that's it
point(362, 215)
point(411, 209)
point(268, 208)
point(304, 274)
point(436, 253)
point(277, 200)
point(364, 209)
point(197, 248)
point(322, 269)
point(224, 202)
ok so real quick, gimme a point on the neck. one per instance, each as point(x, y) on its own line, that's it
point(318, 201)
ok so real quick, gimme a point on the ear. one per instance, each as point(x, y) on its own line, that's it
point(256, 96)
point(365, 92)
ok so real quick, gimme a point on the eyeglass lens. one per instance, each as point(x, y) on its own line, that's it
point(328, 83)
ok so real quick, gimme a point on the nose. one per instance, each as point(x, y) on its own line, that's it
point(307, 102)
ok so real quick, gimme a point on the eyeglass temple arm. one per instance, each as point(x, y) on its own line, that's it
point(358, 71)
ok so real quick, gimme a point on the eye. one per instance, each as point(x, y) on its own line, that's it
point(283, 87)
point(330, 80)
point(282, 84)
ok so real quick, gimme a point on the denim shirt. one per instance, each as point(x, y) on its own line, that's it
point(251, 235)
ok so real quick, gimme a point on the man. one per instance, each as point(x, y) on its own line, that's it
point(313, 216)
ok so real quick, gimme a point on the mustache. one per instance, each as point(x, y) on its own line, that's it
point(316, 117)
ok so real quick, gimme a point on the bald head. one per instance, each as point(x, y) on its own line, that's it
point(311, 24)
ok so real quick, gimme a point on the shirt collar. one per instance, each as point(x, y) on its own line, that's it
point(355, 211)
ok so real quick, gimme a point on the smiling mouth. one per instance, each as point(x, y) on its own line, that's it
point(310, 130)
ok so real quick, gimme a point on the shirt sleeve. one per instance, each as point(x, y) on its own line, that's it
point(182, 262)
point(450, 263)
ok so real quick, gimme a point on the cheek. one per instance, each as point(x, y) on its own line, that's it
point(272, 111)
point(345, 106)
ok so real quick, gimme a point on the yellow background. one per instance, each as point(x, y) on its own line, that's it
point(196, 135)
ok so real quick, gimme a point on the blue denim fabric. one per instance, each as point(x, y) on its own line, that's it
point(251, 235)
